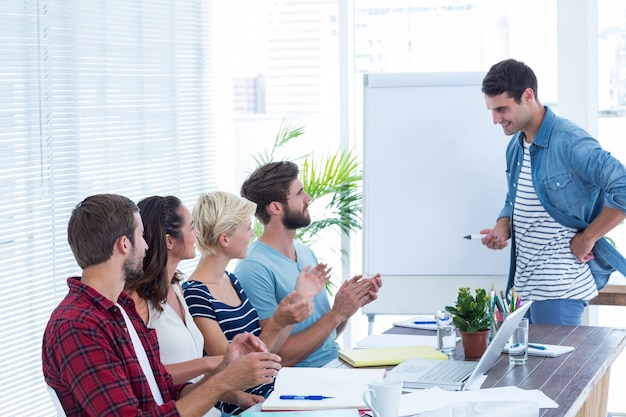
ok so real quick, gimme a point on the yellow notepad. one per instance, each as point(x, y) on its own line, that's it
point(389, 355)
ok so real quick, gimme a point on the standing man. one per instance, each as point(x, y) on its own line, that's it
point(565, 193)
point(97, 353)
point(269, 271)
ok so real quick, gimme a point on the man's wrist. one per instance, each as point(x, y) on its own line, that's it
point(335, 317)
point(218, 385)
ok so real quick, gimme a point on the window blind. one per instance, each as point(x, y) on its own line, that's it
point(95, 96)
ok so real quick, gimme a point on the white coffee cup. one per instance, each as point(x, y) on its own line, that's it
point(383, 397)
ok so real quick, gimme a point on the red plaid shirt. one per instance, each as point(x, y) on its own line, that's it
point(89, 359)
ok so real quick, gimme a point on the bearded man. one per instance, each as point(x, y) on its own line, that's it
point(269, 271)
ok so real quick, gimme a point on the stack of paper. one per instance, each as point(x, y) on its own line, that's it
point(344, 385)
point(424, 400)
point(485, 409)
point(393, 340)
point(418, 322)
point(389, 355)
point(311, 413)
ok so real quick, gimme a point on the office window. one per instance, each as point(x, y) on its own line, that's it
point(612, 87)
point(107, 96)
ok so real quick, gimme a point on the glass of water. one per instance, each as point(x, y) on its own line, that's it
point(446, 332)
point(518, 344)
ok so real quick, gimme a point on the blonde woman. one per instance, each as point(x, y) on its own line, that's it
point(216, 300)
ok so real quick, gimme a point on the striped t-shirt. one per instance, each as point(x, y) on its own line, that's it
point(232, 320)
point(545, 266)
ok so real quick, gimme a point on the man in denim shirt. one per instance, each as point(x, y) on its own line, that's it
point(564, 194)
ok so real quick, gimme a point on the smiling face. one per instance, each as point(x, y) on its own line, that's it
point(512, 116)
point(239, 239)
point(296, 209)
point(185, 246)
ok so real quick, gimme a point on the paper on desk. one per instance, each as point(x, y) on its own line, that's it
point(433, 398)
point(344, 386)
point(418, 322)
point(391, 340)
point(484, 409)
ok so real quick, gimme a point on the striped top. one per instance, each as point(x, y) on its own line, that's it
point(545, 267)
point(232, 320)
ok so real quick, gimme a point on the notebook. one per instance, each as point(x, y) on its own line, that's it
point(388, 355)
point(548, 351)
point(344, 385)
point(457, 375)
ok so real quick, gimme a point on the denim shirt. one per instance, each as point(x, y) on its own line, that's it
point(574, 179)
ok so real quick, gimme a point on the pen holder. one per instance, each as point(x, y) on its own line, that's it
point(496, 322)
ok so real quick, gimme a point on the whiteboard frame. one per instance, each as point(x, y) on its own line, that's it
point(406, 291)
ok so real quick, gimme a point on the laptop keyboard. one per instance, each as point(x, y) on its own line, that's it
point(448, 371)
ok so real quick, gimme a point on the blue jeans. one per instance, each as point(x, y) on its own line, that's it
point(563, 312)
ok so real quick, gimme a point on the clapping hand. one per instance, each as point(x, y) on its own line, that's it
point(247, 363)
point(355, 293)
point(293, 309)
point(311, 281)
point(241, 345)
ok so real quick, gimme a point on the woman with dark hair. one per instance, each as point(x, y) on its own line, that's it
point(170, 234)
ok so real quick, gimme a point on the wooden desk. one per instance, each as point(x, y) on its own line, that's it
point(578, 381)
point(611, 295)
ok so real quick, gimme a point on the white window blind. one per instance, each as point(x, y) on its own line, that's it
point(95, 96)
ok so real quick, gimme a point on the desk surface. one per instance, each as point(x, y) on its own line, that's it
point(611, 295)
point(570, 379)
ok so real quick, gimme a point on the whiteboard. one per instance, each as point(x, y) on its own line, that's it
point(433, 171)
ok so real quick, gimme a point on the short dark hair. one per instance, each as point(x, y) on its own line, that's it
point(160, 216)
point(96, 224)
point(268, 183)
point(511, 77)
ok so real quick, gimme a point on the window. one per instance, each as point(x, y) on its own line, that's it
point(612, 86)
point(107, 96)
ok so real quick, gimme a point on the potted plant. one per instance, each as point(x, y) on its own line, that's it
point(471, 315)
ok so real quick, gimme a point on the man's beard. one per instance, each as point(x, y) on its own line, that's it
point(295, 219)
point(133, 267)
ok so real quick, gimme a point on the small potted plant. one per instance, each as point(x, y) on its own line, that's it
point(471, 315)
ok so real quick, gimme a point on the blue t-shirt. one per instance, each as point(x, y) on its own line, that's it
point(268, 276)
point(232, 320)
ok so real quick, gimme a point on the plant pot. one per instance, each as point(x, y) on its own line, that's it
point(475, 344)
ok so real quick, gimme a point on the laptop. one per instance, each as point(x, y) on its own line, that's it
point(456, 375)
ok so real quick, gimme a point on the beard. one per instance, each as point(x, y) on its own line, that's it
point(133, 266)
point(294, 219)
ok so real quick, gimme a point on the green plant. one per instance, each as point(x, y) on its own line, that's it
point(471, 314)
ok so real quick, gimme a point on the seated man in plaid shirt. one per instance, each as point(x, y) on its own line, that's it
point(97, 353)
